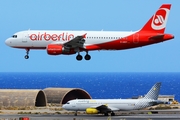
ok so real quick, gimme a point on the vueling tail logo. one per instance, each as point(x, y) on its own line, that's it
point(159, 19)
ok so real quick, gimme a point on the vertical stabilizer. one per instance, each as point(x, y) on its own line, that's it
point(153, 92)
point(157, 23)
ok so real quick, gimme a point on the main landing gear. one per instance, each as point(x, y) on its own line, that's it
point(112, 114)
point(27, 54)
point(86, 57)
point(106, 114)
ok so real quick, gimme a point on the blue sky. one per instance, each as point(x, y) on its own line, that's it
point(18, 15)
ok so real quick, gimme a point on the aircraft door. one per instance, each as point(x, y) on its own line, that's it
point(136, 38)
point(24, 37)
point(74, 106)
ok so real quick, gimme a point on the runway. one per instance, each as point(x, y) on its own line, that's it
point(94, 117)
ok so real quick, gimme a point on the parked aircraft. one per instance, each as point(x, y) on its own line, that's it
point(105, 106)
point(71, 42)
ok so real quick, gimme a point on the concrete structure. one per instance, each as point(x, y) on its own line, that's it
point(39, 98)
point(62, 95)
point(166, 98)
point(22, 98)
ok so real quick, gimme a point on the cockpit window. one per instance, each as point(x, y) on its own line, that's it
point(14, 36)
point(67, 103)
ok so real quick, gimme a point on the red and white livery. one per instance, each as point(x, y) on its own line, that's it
point(72, 42)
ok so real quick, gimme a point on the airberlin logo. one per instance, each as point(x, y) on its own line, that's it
point(160, 19)
point(51, 37)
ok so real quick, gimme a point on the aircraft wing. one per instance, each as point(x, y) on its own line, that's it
point(105, 108)
point(77, 42)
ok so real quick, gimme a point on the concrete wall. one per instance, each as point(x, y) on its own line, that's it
point(22, 97)
point(62, 95)
point(39, 98)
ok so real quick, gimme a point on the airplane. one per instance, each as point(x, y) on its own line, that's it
point(105, 106)
point(71, 42)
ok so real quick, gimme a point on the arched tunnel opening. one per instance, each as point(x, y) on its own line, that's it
point(41, 99)
point(75, 94)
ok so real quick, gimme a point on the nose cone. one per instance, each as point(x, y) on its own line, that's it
point(8, 42)
point(64, 106)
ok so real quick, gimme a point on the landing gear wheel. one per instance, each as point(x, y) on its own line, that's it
point(26, 57)
point(79, 57)
point(27, 54)
point(112, 114)
point(105, 114)
point(87, 57)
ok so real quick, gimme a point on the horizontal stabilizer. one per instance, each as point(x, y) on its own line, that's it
point(157, 102)
point(157, 37)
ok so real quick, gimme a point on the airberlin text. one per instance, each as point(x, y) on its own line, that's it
point(51, 37)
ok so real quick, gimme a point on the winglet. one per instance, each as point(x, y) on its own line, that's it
point(84, 36)
point(157, 23)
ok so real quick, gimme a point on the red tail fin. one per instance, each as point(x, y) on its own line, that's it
point(157, 23)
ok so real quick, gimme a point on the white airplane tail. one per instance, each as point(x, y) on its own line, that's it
point(153, 92)
point(150, 98)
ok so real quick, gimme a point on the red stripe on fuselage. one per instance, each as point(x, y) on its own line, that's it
point(124, 43)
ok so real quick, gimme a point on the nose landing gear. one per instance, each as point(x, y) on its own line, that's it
point(27, 54)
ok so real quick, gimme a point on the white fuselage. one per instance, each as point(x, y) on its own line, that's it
point(113, 104)
point(40, 38)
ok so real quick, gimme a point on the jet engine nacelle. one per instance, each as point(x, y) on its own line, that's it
point(53, 49)
point(92, 111)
